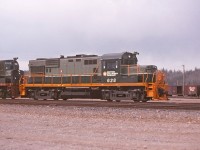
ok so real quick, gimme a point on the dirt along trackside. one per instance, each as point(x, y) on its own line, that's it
point(71, 127)
point(173, 103)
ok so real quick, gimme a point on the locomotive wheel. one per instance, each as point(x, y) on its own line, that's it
point(32, 95)
point(4, 95)
point(55, 98)
point(138, 97)
point(109, 100)
point(35, 98)
point(136, 100)
point(144, 100)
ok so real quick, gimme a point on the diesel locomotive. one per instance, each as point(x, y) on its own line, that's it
point(9, 78)
point(111, 77)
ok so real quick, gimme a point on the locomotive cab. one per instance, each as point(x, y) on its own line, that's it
point(114, 66)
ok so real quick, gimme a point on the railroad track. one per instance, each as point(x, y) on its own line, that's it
point(98, 103)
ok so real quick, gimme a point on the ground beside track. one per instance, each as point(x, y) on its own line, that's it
point(173, 103)
point(78, 127)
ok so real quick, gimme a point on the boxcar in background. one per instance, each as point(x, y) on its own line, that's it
point(192, 90)
point(189, 90)
point(172, 90)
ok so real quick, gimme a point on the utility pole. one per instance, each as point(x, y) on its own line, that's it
point(183, 80)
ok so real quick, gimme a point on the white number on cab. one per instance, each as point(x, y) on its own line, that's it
point(111, 80)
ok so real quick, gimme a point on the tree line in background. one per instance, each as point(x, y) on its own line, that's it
point(192, 77)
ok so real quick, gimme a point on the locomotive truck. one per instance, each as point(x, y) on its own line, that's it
point(111, 77)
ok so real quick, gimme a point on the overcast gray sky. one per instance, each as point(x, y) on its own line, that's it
point(165, 32)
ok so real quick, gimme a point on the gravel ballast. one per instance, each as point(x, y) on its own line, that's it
point(58, 127)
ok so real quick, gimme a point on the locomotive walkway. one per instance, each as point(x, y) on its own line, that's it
point(175, 104)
